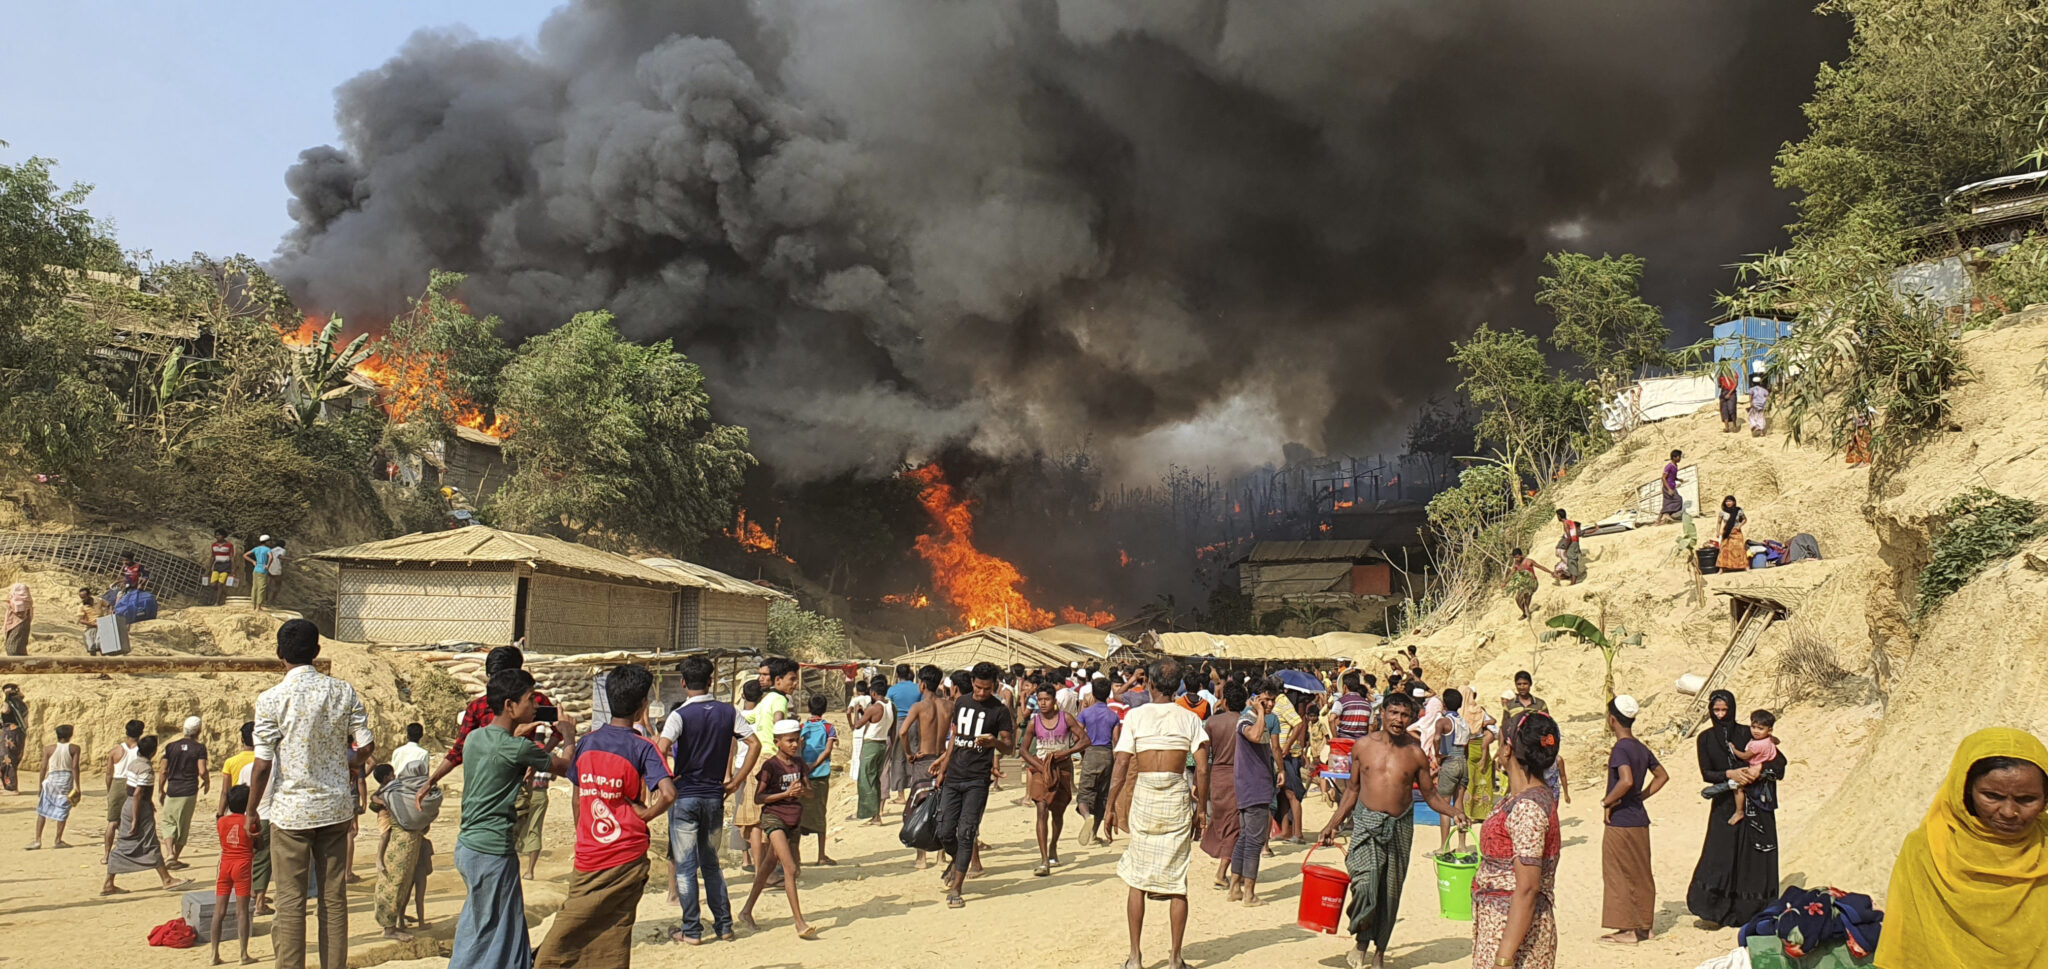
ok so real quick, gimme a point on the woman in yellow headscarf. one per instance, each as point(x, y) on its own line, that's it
point(1971, 885)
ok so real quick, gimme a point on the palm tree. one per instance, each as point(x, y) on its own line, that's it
point(1609, 642)
point(320, 372)
point(1313, 618)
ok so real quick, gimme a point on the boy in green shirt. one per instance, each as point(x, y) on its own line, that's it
point(491, 933)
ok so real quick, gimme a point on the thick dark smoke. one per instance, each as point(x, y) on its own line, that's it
point(1193, 230)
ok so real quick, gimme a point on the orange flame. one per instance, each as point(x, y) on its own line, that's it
point(915, 600)
point(982, 590)
point(1349, 503)
point(753, 537)
point(405, 387)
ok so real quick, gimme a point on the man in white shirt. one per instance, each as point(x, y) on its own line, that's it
point(410, 752)
point(301, 785)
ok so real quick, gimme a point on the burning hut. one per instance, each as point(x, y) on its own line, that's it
point(484, 585)
point(1352, 582)
point(999, 645)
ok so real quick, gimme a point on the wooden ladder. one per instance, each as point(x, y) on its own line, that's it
point(1748, 632)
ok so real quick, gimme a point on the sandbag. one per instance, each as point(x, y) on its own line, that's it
point(921, 823)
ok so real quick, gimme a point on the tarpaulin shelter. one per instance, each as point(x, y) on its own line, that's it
point(999, 645)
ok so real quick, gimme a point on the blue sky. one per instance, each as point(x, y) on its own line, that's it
point(184, 115)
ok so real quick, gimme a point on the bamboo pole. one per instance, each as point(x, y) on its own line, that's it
point(15, 665)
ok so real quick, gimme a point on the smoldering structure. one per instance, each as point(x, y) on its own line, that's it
point(1189, 231)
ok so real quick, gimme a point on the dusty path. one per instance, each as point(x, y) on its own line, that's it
point(874, 906)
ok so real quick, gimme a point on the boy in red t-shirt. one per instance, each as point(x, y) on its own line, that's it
point(779, 789)
point(621, 784)
point(233, 883)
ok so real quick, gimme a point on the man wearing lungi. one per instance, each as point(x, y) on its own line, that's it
point(491, 932)
point(1385, 766)
point(1629, 904)
point(621, 784)
point(1151, 799)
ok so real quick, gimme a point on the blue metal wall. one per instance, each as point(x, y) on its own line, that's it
point(1746, 339)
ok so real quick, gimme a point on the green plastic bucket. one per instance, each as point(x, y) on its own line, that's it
point(1454, 885)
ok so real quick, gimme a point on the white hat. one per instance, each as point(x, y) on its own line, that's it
point(1418, 693)
point(191, 725)
point(1507, 694)
point(787, 727)
point(263, 538)
point(1627, 706)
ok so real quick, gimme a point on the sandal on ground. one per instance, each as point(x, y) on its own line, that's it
point(954, 900)
point(1042, 870)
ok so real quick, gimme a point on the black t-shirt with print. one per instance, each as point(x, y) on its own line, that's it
point(972, 718)
point(181, 767)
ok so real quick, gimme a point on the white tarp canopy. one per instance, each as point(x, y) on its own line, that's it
point(1658, 399)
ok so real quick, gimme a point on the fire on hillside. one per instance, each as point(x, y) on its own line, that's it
point(406, 384)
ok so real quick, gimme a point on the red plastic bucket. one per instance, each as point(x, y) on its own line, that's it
point(1322, 896)
point(1340, 758)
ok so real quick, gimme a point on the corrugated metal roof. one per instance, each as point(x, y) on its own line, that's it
point(995, 644)
point(1305, 578)
point(1348, 551)
point(478, 543)
point(692, 574)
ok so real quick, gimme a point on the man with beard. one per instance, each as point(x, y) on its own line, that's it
point(1385, 766)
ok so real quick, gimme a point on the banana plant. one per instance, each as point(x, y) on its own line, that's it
point(1609, 642)
point(320, 372)
point(1687, 547)
point(176, 379)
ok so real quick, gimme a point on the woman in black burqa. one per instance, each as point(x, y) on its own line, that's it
point(1738, 871)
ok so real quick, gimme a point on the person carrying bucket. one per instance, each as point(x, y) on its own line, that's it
point(1386, 766)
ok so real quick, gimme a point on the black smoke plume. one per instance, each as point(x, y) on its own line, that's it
point(1192, 230)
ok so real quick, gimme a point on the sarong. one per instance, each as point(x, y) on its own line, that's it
point(136, 847)
point(55, 803)
point(1092, 784)
point(491, 932)
point(532, 814)
point(746, 813)
point(117, 800)
point(17, 640)
point(595, 926)
point(1221, 835)
point(1484, 787)
point(896, 768)
point(812, 820)
point(1162, 826)
point(1629, 886)
point(1734, 554)
point(869, 786)
point(1378, 863)
point(1490, 925)
point(403, 858)
point(1574, 562)
point(177, 819)
point(1674, 504)
point(1054, 789)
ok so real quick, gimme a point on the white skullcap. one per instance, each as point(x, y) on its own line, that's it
point(1627, 706)
point(787, 727)
point(1418, 693)
point(191, 725)
point(1507, 694)
point(263, 538)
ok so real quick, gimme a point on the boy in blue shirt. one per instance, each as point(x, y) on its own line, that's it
point(819, 739)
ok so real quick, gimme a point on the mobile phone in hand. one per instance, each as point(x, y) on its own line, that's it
point(546, 714)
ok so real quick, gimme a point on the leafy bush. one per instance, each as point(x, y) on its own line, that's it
point(2019, 276)
point(801, 634)
point(1981, 526)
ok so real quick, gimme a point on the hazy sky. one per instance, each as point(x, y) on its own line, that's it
point(184, 115)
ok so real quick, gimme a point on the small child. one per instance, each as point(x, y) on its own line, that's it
point(380, 775)
point(1761, 750)
point(780, 790)
point(235, 867)
point(819, 740)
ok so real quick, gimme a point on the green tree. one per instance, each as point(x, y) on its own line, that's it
point(801, 634)
point(47, 240)
point(616, 440)
point(447, 360)
point(1600, 312)
point(1933, 94)
point(243, 309)
point(1534, 419)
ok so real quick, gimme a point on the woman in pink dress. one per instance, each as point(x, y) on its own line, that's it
point(1513, 925)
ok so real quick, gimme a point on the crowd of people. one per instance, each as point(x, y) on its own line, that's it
point(1169, 757)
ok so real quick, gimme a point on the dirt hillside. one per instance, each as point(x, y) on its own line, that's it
point(1868, 740)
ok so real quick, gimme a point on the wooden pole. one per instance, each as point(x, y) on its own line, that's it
point(16, 665)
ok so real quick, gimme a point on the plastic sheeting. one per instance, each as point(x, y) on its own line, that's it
point(1658, 399)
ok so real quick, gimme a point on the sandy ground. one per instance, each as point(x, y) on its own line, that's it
point(874, 905)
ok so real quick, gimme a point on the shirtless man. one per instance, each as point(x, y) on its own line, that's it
point(1385, 766)
point(924, 731)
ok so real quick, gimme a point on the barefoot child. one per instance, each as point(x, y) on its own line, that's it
point(1762, 749)
point(819, 741)
point(235, 864)
point(779, 790)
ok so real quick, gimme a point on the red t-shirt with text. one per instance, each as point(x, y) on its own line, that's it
point(615, 768)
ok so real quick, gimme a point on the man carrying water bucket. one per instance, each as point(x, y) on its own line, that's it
point(1385, 767)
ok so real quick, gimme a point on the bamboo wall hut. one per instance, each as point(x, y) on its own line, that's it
point(716, 610)
point(999, 645)
point(489, 586)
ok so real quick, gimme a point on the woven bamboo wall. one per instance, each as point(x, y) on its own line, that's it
point(726, 621)
point(414, 606)
point(579, 615)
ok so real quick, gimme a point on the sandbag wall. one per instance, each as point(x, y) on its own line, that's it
point(567, 682)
